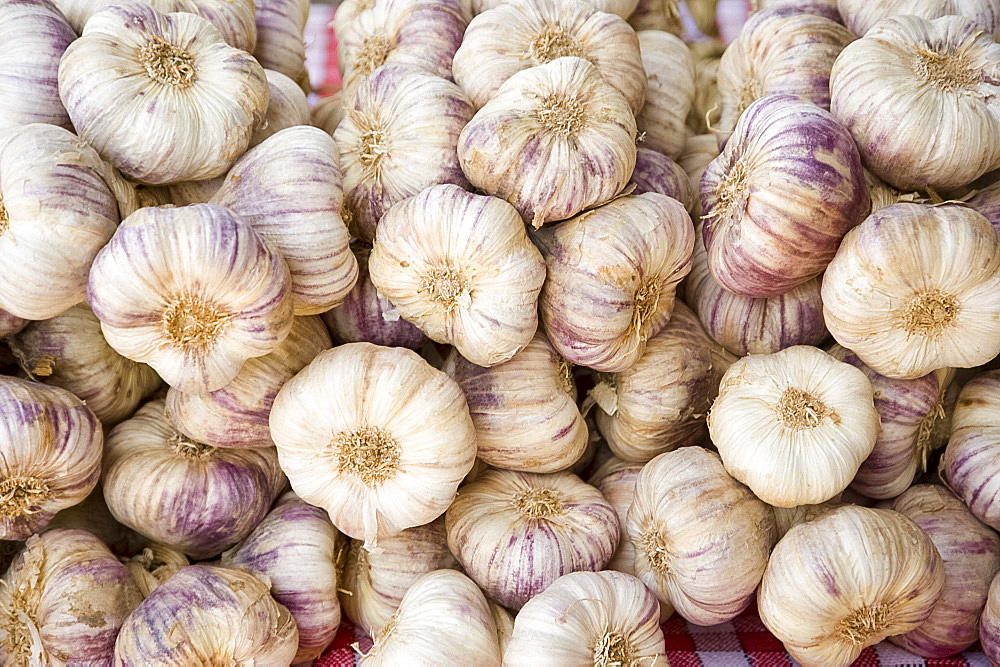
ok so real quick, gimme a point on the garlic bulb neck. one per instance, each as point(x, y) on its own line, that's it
point(190, 449)
point(538, 503)
point(929, 313)
point(20, 494)
point(562, 114)
point(193, 323)
point(446, 286)
point(645, 301)
point(865, 623)
point(373, 53)
point(949, 71)
point(554, 42)
point(612, 650)
point(167, 64)
point(368, 452)
point(927, 430)
point(798, 410)
point(652, 543)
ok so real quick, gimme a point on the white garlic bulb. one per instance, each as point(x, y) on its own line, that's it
point(701, 538)
point(280, 45)
point(894, 294)
point(860, 16)
point(287, 107)
point(554, 140)
point(186, 103)
point(329, 111)
point(795, 425)
point(153, 565)
point(670, 93)
point(615, 479)
point(504, 621)
point(386, 457)
point(848, 580)
point(623, 8)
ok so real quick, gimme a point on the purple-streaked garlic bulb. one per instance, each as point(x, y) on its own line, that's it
point(612, 274)
point(296, 548)
point(698, 153)
point(553, 141)
point(329, 111)
point(860, 16)
point(987, 202)
point(92, 515)
point(670, 91)
point(64, 598)
point(623, 8)
point(10, 324)
point(515, 533)
point(989, 622)
point(289, 189)
point(971, 555)
point(237, 414)
point(50, 454)
point(192, 291)
point(616, 479)
point(56, 212)
point(657, 15)
point(824, 8)
point(280, 45)
point(287, 107)
point(785, 190)
point(202, 500)
point(69, 351)
point(655, 172)
point(205, 615)
point(524, 409)
point(153, 565)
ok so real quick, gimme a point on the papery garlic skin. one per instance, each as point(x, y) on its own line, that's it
point(787, 517)
point(212, 294)
point(296, 548)
point(707, 57)
point(56, 212)
point(203, 500)
point(987, 202)
point(205, 614)
point(971, 555)
point(785, 190)
point(50, 454)
point(616, 479)
point(287, 107)
point(280, 45)
point(848, 580)
point(860, 16)
point(64, 599)
point(329, 111)
point(670, 91)
point(387, 457)
point(655, 172)
point(583, 617)
point(186, 193)
point(989, 623)
point(623, 8)
point(932, 303)
point(919, 98)
point(186, 102)
point(153, 565)
point(795, 425)
point(825, 8)
point(10, 324)
point(461, 268)
point(611, 277)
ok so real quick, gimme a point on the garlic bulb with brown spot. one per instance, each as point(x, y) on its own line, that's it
point(328, 112)
point(515, 533)
point(657, 15)
point(670, 92)
point(616, 479)
point(916, 288)
point(848, 580)
point(280, 45)
point(860, 16)
point(287, 107)
point(154, 565)
point(387, 456)
point(655, 172)
point(611, 277)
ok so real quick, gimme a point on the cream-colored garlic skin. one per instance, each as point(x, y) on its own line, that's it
point(787, 517)
point(92, 515)
point(698, 153)
point(56, 212)
point(289, 190)
point(916, 288)
point(64, 598)
point(153, 565)
point(860, 16)
point(604, 618)
point(329, 111)
point(612, 274)
point(204, 615)
point(882, 194)
point(920, 99)
point(504, 621)
point(515, 533)
point(192, 291)
point(398, 137)
point(373, 582)
point(69, 351)
point(280, 45)
point(657, 15)
point(237, 415)
point(848, 580)
point(701, 538)
point(386, 455)
point(795, 425)
point(203, 499)
point(616, 479)
point(442, 620)
point(186, 193)
point(670, 92)
point(186, 103)
point(287, 107)
point(655, 172)
point(706, 56)
point(461, 268)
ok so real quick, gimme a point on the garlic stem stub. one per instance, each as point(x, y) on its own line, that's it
point(280, 45)
point(153, 565)
point(655, 172)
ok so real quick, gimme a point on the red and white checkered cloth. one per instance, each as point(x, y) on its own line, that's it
point(744, 642)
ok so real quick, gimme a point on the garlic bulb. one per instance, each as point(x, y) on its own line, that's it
point(524, 409)
point(701, 538)
point(670, 92)
point(916, 288)
point(989, 623)
point(192, 291)
point(154, 565)
point(63, 600)
point(607, 618)
point(860, 16)
point(34, 35)
point(660, 402)
point(237, 415)
point(657, 15)
point(205, 615)
point(203, 499)
point(69, 351)
point(795, 425)
point(373, 582)
point(612, 273)
point(785, 190)
point(655, 172)
point(698, 153)
point(92, 515)
point(56, 212)
point(186, 102)
point(289, 190)
point(50, 454)
point(787, 517)
point(9, 324)
point(985, 201)
point(287, 107)
point(398, 137)
point(504, 621)
point(779, 52)
point(280, 45)
point(971, 555)
point(386, 457)
point(623, 8)
point(296, 547)
point(707, 57)
point(848, 580)
point(824, 8)
point(515, 533)
point(442, 620)
point(919, 100)
point(616, 479)
point(329, 111)
point(460, 267)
